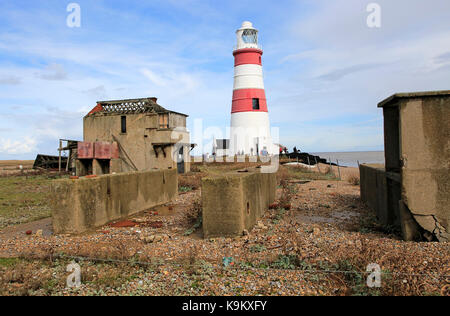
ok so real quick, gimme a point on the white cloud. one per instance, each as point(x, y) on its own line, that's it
point(321, 65)
point(10, 80)
point(26, 145)
point(53, 72)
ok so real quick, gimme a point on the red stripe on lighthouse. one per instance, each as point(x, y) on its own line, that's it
point(247, 56)
point(243, 100)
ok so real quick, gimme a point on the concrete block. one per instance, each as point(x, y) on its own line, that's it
point(234, 202)
point(87, 203)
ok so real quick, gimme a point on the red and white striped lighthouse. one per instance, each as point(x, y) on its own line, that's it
point(250, 126)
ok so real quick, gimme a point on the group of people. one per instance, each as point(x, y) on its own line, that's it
point(284, 150)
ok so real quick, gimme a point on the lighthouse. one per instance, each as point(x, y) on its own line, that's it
point(250, 126)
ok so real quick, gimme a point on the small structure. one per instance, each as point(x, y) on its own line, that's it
point(133, 135)
point(49, 162)
point(233, 202)
point(59, 162)
point(413, 188)
point(221, 147)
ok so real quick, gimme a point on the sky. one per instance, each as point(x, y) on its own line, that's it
point(325, 69)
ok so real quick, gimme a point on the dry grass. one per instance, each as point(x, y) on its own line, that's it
point(287, 193)
point(192, 180)
point(353, 179)
point(24, 199)
point(16, 163)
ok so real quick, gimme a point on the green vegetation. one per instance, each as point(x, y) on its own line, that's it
point(258, 248)
point(185, 189)
point(8, 262)
point(278, 216)
point(301, 173)
point(196, 226)
point(24, 199)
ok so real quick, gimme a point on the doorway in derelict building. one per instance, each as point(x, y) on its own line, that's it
point(104, 165)
point(180, 160)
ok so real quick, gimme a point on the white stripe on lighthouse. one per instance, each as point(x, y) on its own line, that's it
point(250, 131)
point(248, 77)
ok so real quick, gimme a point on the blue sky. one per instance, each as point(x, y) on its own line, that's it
point(325, 70)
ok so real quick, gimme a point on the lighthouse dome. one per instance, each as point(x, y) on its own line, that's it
point(247, 36)
point(247, 25)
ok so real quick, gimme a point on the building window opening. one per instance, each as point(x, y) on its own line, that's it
point(255, 104)
point(104, 166)
point(164, 121)
point(123, 124)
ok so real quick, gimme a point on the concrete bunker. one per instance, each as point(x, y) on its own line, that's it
point(412, 190)
point(233, 203)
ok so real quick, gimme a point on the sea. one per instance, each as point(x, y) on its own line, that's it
point(351, 159)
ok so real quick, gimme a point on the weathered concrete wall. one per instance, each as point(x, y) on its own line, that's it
point(234, 202)
point(374, 192)
point(84, 204)
point(425, 152)
point(137, 143)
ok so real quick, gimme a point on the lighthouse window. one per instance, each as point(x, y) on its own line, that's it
point(255, 104)
point(250, 36)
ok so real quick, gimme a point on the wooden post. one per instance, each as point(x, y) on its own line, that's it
point(339, 170)
point(69, 158)
point(309, 162)
point(318, 167)
point(59, 161)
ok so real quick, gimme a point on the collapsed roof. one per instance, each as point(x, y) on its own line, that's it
point(130, 106)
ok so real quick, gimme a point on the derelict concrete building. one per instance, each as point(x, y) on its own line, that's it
point(412, 189)
point(133, 135)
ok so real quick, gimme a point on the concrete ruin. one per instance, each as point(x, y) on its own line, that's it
point(133, 135)
point(413, 188)
point(233, 203)
point(81, 205)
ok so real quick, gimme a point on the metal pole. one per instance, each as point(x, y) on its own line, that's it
point(318, 167)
